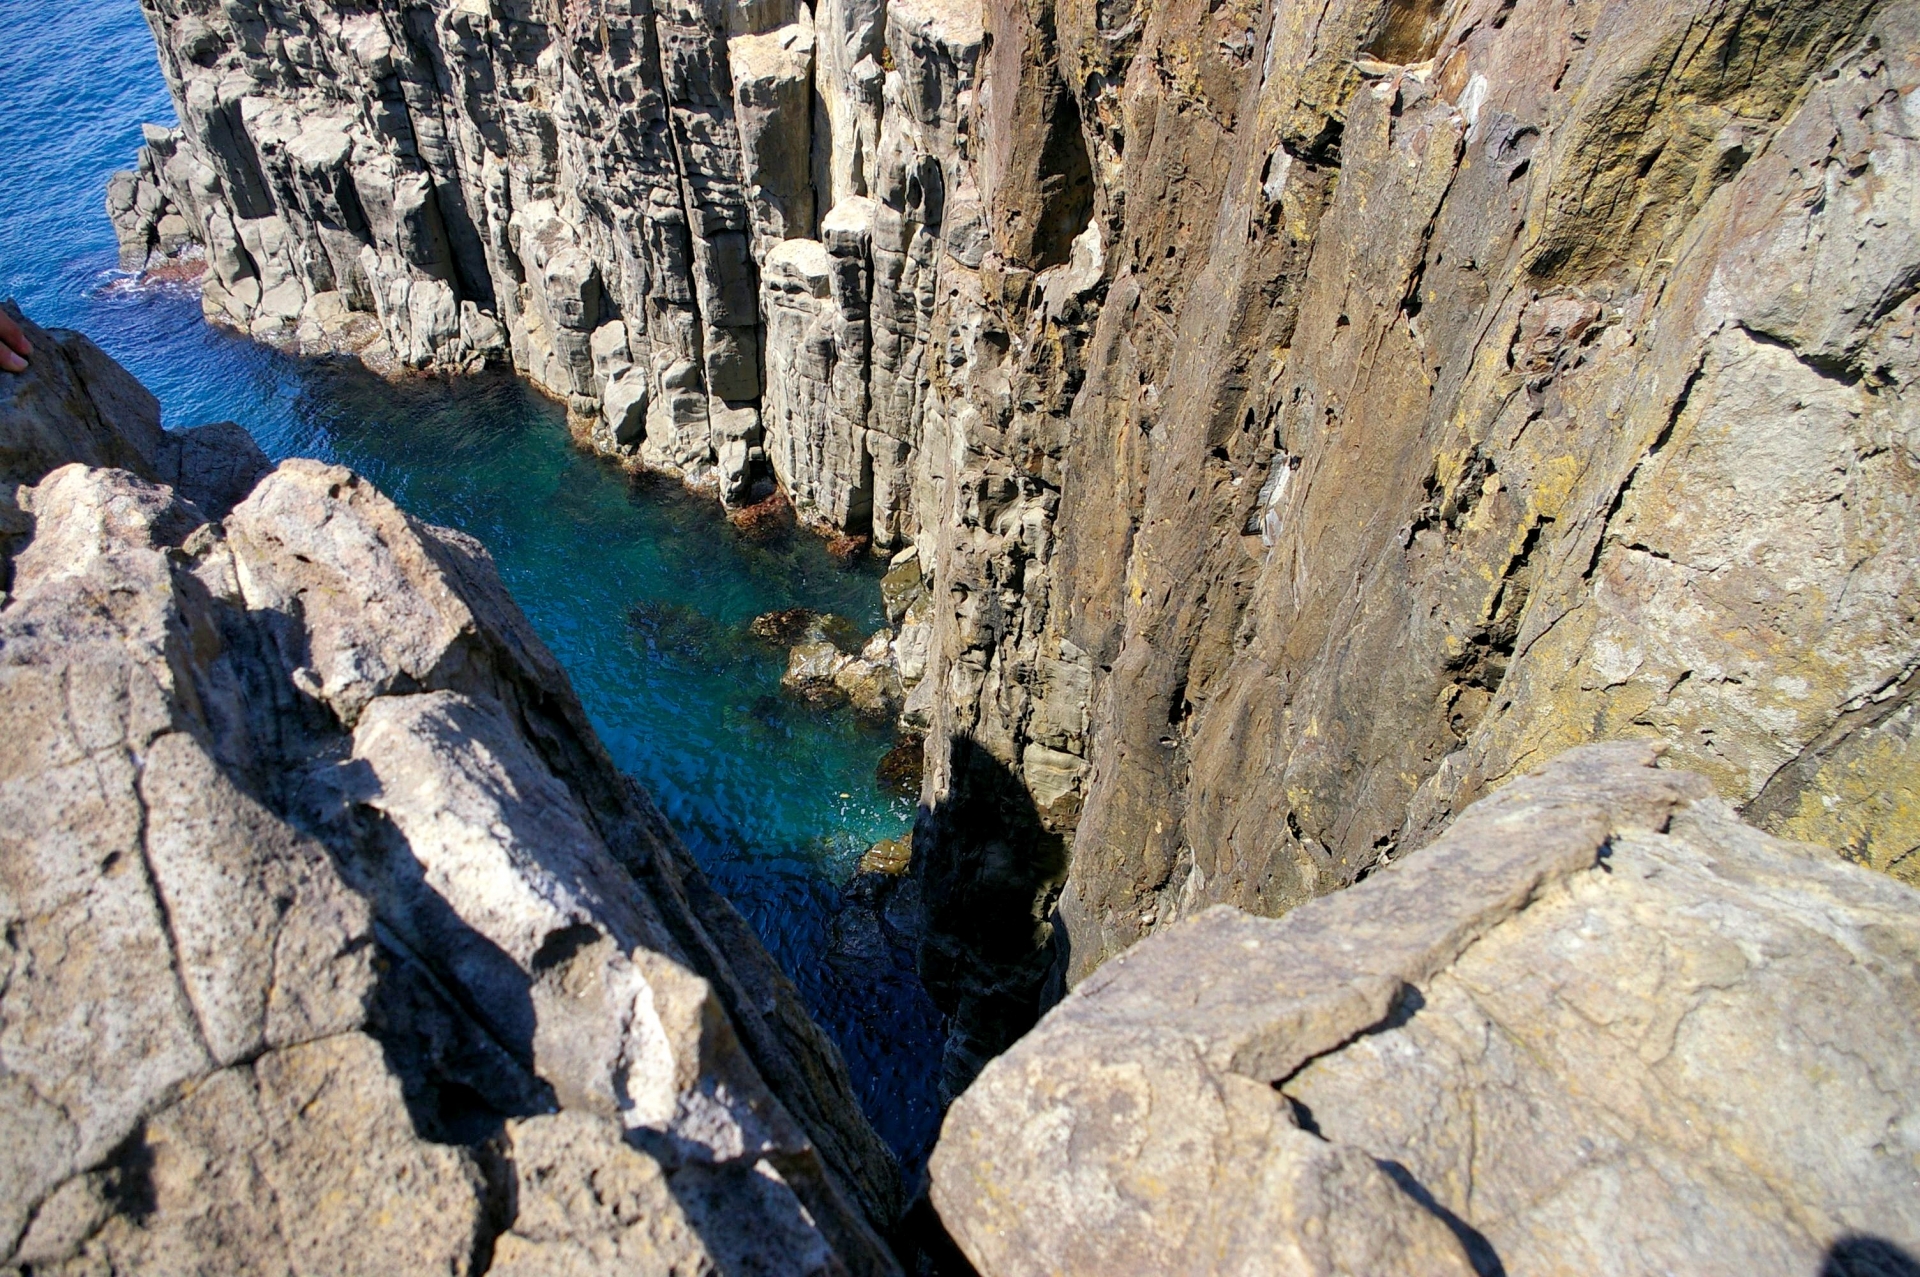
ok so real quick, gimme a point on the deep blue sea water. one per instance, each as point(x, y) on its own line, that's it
point(776, 801)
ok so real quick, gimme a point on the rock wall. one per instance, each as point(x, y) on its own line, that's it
point(601, 191)
point(1301, 418)
point(334, 942)
point(1434, 388)
point(1599, 1027)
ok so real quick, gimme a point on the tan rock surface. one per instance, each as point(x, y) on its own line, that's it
point(1600, 1026)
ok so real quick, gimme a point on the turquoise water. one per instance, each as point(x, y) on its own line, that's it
point(642, 590)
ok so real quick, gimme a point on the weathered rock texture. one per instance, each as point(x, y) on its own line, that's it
point(1304, 416)
point(1599, 1027)
point(334, 943)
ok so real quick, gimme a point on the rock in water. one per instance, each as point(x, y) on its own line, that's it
point(1303, 418)
point(819, 670)
point(791, 626)
point(888, 856)
point(334, 940)
point(1601, 1026)
point(901, 767)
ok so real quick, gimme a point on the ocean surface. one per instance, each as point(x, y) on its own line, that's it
point(642, 590)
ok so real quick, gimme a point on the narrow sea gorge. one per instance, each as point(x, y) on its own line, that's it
point(643, 591)
point(1392, 622)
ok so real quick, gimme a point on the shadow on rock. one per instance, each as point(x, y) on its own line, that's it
point(989, 870)
point(1868, 1257)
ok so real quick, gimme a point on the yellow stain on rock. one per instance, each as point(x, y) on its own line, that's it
point(1864, 800)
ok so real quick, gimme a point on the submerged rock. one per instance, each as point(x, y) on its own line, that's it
point(766, 520)
point(332, 930)
point(879, 917)
point(1599, 1026)
point(822, 673)
point(888, 856)
point(902, 766)
point(792, 626)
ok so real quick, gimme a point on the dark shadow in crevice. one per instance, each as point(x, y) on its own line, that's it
point(1479, 1250)
point(990, 871)
point(924, 1246)
point(1860, 1256)
point(128, 1183)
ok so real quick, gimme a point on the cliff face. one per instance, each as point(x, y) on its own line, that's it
point(334, 942)
point(1302, 417)
point(604, 191)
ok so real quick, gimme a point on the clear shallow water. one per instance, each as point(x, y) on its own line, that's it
point(642, 590)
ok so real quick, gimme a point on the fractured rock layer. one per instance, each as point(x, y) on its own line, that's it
point(334, 941)
point(1302, 418)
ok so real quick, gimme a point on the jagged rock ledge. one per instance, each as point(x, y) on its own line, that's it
point(334, 942)
point(1600, 1027)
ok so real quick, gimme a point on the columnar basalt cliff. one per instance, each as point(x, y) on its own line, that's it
point(334, 942)
point(1301, 418)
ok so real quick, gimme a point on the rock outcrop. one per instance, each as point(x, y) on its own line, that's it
point(1601, 1026)
point(334, 942)
point(1303, 418)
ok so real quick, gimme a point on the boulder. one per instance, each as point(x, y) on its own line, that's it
point(813, 672)
point(820, 672)
point(1601, 1026)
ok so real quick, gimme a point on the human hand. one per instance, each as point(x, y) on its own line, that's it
point(14, 346)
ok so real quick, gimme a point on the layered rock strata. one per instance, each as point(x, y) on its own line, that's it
point(1303, 418)
point(334, 942)
point(1601, 1027)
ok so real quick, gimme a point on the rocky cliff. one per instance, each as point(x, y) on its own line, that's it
point(1299, 418)
point(334, 942)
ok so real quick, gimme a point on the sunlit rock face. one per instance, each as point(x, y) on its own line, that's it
point(334, 940)
point(1303, 418)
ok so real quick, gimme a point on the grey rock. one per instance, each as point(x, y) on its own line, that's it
point(590, 1204)
point(1304, 422)
point(625, 407)
point(773, 107)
